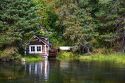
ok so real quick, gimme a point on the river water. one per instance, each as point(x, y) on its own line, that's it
point(54, 71)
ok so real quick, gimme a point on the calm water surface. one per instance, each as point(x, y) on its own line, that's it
point(53, 71)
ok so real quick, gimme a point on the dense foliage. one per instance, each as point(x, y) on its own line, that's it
point(99, 23)
point(18, 22)
point(89, 23)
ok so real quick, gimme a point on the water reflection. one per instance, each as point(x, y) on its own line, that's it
point(62, 72)
point(39, 69)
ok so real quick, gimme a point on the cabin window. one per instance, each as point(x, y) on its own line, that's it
point(32, 48)
point(38, 48)
point(35, 49)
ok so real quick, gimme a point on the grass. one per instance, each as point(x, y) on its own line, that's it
point(111, 58)
point(114, 57)
point(32, 58)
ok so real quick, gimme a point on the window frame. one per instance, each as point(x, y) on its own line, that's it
point(35, 51)
point(39, 48)
point(32, 48)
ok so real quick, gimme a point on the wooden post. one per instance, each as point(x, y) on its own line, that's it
point(25, 51)
point(45, 49)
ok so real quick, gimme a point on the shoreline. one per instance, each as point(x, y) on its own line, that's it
point(118, 58)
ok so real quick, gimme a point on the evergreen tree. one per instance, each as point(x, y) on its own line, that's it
point(18, 22)
point(110, 24)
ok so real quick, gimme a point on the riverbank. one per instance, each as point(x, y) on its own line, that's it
point(113, 57)
point(30, 58)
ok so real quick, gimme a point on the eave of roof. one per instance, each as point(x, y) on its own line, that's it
point(43, 39)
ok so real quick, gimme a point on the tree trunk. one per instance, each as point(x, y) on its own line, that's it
point(123, 44)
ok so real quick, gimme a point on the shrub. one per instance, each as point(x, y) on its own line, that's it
point(10, 54)
point(66, 56)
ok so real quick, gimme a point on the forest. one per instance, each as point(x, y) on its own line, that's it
point(96, 24)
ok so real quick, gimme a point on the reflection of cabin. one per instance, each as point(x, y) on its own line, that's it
point(38, 69)
point(38, 45)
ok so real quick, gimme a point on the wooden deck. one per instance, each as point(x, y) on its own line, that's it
point(53, 53)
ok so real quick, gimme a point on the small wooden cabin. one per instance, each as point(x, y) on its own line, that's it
point(38, 45)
